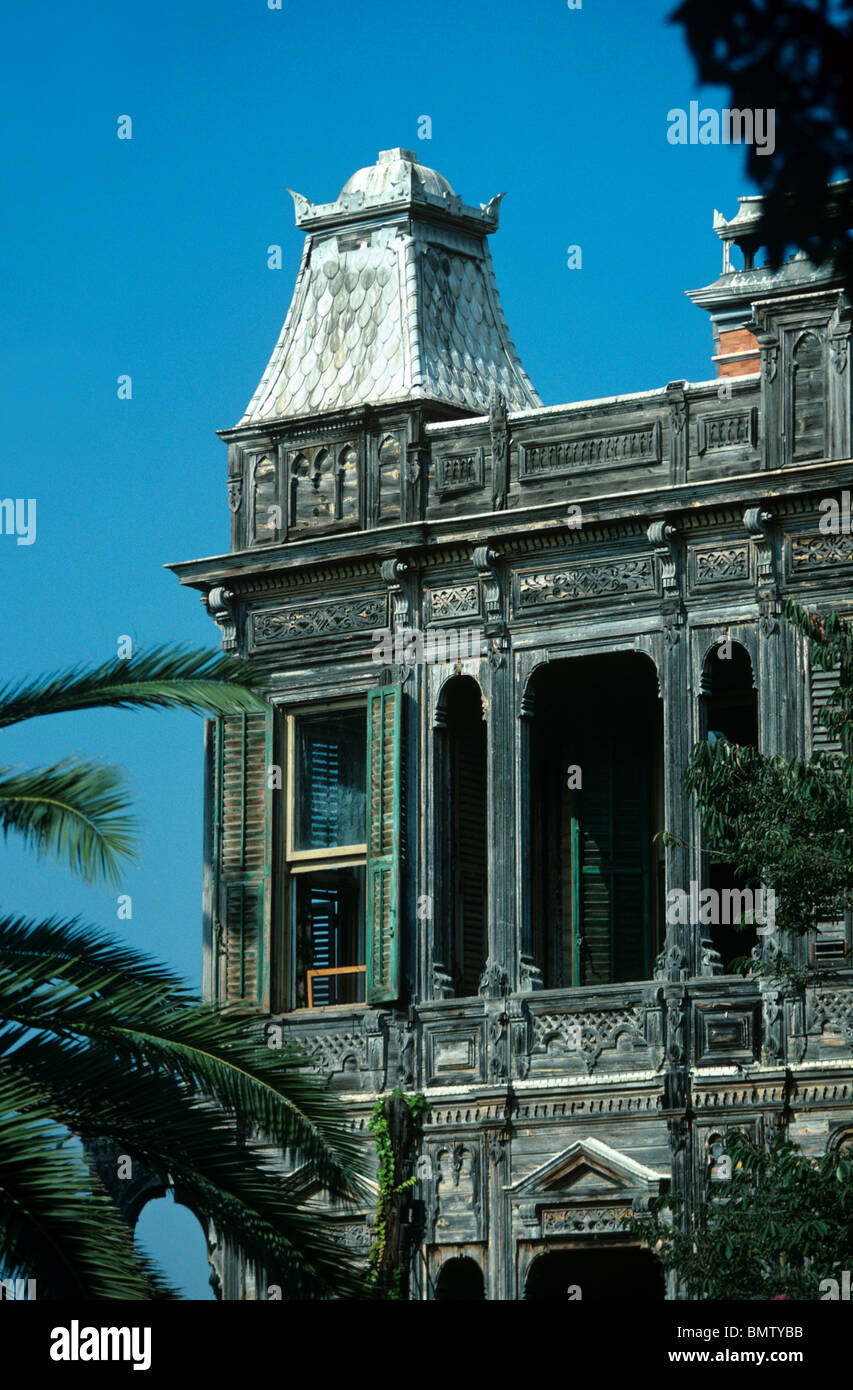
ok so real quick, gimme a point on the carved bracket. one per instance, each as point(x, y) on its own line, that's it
point(483, 559)
point(660, 535)
point(497, 1038)
point(676, 1027)
point(756, 521)
point(218, 603)
point(392, 572)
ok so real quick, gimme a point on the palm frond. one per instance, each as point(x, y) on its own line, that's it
point(151, 1116)
point(75, 812)
point(57, 1224)
point(73, 981)
point(167, 677)
point(78, 982)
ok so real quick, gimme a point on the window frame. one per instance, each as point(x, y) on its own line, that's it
point(315, 861)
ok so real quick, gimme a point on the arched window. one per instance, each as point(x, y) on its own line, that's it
point(346, 484)
point(808, 398)
point(462, 822)
point(298, 471)
point(313, 489)
point(729, 698)
point(390, 456)
point(266, 515)
point(173, 1237)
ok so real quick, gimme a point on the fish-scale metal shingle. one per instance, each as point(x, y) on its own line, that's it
point(399, 310)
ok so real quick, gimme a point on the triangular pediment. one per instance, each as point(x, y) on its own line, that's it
point(588, 1169)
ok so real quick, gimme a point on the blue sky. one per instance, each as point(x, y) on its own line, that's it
point(148, 257)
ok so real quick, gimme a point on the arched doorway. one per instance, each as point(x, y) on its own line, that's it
point(171, 1235)
point(595, 1275)
point(459, 1280)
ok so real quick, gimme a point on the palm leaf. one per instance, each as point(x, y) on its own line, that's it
point(167, 677)
point(57, 1224)
point(126, 1054)
point(218, 1173)
point(73, 811)
point(75, 981)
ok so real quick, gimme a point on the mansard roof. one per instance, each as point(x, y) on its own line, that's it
point(395, 301)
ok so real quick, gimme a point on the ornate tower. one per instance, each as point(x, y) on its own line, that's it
point(395, 320)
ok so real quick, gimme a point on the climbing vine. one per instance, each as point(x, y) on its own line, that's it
point(390, 1183)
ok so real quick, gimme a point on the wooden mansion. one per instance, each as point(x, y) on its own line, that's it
point(492, 631)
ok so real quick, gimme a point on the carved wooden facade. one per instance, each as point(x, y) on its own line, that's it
point(604, 546)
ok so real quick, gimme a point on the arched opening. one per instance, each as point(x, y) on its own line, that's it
point(808, 396)
point(265, 512)
point(459, 1279)
point(596, 801)
point(598, 1275)
point(346, 484)
point(390, 462)
point(172, 1236)
point(462, 824)
point(729, 710)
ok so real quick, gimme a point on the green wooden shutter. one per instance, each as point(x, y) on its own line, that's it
point(242, 844)
point(610, 859)
point(822, 685)
point(468, 822)
point(384, 705)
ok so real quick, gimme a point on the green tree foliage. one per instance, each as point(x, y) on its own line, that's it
point(793, 57)
point(780, 1226)
point(788, 823)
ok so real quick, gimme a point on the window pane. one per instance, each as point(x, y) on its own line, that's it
point(329, 935)
point(330, 780)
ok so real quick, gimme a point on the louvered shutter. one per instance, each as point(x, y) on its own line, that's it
point(830, 940)
point(821, 686)
point(611, 860)
point(468, 818)
point(384, 704)
point(242, 842)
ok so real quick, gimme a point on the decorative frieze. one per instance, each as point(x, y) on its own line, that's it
point(585, 581)
point(835, 1011)
point(454, 601)
point(568, 1221)
point(729, 429)
point(820, 552)
point(330, 1051)
point(356, 1236)
point(560, 456)
point(584, 1107)
point(293, 622)
point(456, 473)
point(587, 1035)
point(722, 565)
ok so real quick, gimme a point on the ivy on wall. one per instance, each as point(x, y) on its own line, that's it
point(394, 1124)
